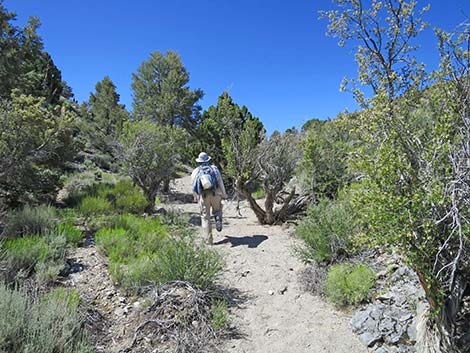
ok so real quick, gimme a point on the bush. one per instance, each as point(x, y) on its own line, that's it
point(181, 259)
point(78, 186)
point(125, 197)
point(72, 234)
point(348, 283)
point(33, 254)
point(51, 323)
point(30, 220)
point(327, 231)
point(92, 206)
point(142, 253)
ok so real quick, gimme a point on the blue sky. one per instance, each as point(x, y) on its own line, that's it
point(271, 55)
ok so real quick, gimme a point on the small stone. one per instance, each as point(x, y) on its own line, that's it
point(381, 350)
point(271, 292)
point(122, 300)
point(282, 290)
point(387, 297)
point(382, 274)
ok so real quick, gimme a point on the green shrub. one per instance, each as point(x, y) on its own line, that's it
point(181, 259)
point(175, 219)
point(142, 253)
point(25, 252)
point(30, 220)
point(349, 284)
point(91, 206)
point(78, 186)
point(51, 323)
point(72, 234)
point(43, 255)
point(219, 315)
point(124, 195)
point(326, 231)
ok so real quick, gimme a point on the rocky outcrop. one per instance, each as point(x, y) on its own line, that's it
point(388, 323)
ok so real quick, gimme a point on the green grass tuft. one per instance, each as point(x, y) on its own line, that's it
point(348, 284)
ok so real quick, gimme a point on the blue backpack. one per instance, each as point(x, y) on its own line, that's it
point(205, 180)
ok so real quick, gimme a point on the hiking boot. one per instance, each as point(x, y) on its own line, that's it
point(218, 222)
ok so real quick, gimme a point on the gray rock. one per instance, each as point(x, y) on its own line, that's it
point(358, 320)
point(411, 331)
point(370, 339)
point(387, 325)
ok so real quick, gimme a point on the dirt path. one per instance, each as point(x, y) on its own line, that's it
point(277, 316)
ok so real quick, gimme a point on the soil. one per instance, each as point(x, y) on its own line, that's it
point(270, 311)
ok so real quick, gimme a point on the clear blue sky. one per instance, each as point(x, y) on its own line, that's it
point(271, 55)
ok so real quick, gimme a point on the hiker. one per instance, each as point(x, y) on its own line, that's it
point(209, 188)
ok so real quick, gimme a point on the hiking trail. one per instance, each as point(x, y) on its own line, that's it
point(276, 315)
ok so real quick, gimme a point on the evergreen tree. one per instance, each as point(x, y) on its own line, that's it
point(106, 112)
point(24, 64)
point(220, 121)
point(162, 95)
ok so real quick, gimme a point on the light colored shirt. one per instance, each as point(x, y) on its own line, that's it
point(220, 189)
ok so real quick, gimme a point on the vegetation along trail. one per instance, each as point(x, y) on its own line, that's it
point(272, 313)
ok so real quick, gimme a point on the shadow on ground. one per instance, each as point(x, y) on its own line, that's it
point(251, 241)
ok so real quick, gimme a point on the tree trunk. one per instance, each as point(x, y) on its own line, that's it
point(166, 185)
point(259, 212)
point(150, 196)
point(269, 208)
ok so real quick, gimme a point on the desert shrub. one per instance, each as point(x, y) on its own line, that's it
point(125, 197)
point(219, 315)
point(181, 259)
point(72, 234)
point(91, 206)
point(326, 231)
point(348, 283)
point(30, 220)
point(175, 219)
point(51, 323)
point(25, 252)
point(40, 254)
point(142, 253)
point(114, 243)
point(78, 186)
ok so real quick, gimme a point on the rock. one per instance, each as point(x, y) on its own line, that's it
point(282, 290)
point(382, 274)
point(271, 292)
point(370, 339)
point(122, 300)
point(358, 320)
point(387, 297)
point(411, 331)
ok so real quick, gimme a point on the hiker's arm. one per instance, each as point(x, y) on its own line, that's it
point(221, 185)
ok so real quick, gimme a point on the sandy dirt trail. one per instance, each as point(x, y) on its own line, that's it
point(276, 315)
